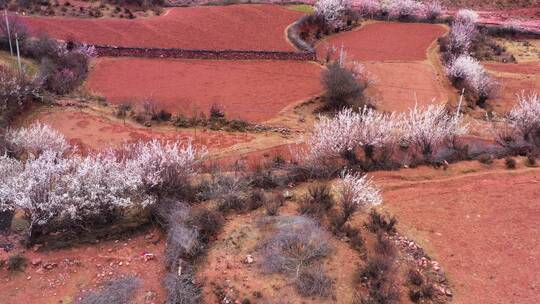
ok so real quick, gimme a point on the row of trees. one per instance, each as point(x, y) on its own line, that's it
point(465, 71)
point(421, 129)
point(395, 9)
point(57, 187)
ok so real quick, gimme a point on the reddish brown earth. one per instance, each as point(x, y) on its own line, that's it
point(399, 86)
point(383, 41)
point(240, 27)
point(224, 266)
point(481, 226)
point(92, 131)
point(250, 90)
point(85, 267)
point(528, 68)
point(513, 79)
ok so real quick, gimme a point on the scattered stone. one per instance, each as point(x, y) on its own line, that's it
point(249, 259)
point(50, 266)
point(148, 257)
point(36, 262)
point(149, 297)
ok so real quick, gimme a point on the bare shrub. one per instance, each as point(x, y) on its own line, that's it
point(208, 223)
point(313, 281)
point(384, 245)
point(257, 198)
point(530, 161)
point(317, 201)
point(379, 222)
point(182, 289)
point(182, 243)
point(16, 262)
point(116, 291)
point(16, 93)
point(485, 159)
point(510, 163)
point(297, 242)
point(272, 207)
point(217, 112)
point(376, 269)
point(415, 277)
point(342, 88)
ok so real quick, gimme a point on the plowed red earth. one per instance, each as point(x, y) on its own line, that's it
point(240, 27)
point(483, 228)
point(93, 132)
point(532, 68)
point(250, 90)
point(382, 41)
point(514, 79)
point(396, 90)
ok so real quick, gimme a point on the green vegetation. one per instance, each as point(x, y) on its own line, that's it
point(303, 8)
point(28, 65)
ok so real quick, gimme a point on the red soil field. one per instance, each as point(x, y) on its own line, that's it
point(93, 132)
point(397, 90)
point(482, 227)
point(250, 90)
point(382, 41)
point(78, 268)
point(239, 27)
point(531, 68)
point(513, 79)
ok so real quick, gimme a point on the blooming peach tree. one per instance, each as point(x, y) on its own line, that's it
point(332, 10)
point(429, 127)
point(524, 118)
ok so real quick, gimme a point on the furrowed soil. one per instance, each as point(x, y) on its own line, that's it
point(385, 41)
point(480, 224)
point(249, 90)
point(401, 59)
point(514, 79)
point(239, 27)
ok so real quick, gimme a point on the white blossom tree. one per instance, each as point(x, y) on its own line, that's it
point(54, 188)
point(427, 128)
point(331, 137)
point(37, 138)
point(433, 9)
point(474, 75)
point(461, 37)
point(358, 189)
point(524, 118)
point(9, 169)
point(332, 10)
point(467, 16)
point(405, 8)
point(355, 191)
point(163, 165)
point(348, 130)
point(367, 7)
